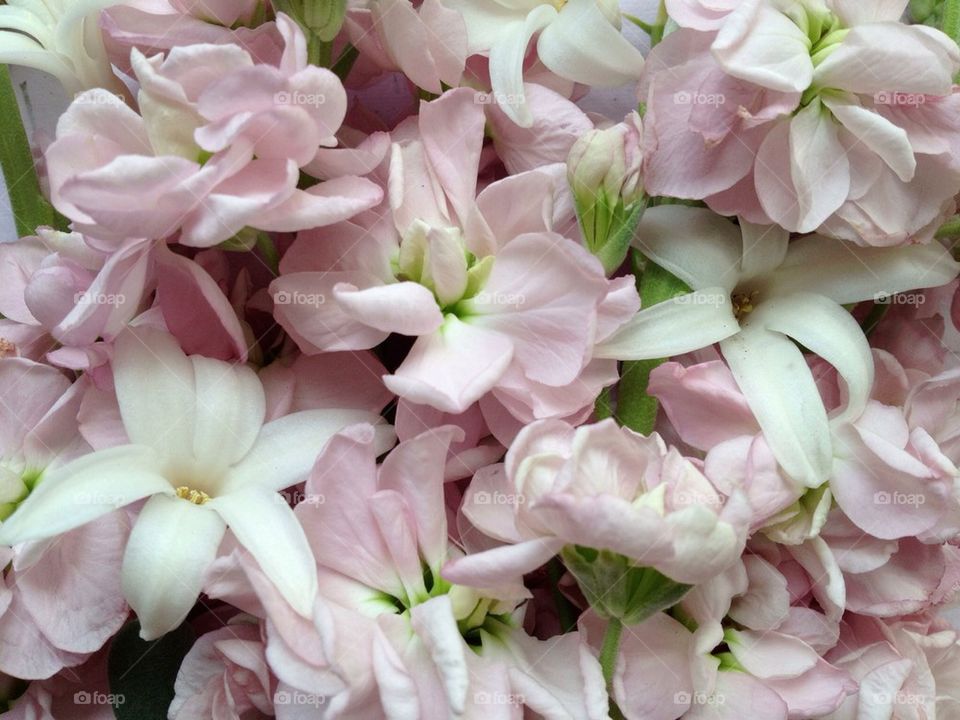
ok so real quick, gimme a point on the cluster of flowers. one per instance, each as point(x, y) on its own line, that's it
point(417, 391)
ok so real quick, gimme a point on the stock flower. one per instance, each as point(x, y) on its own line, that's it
point(200, 452)
point(579, 40)
point(225, 674)
point(756, 293)
point(217, 146)
point(906, 668)
point(603, 487)
point(427, 43)
point(60, 37)
point(389, 637)
point(487, 294)
point(832, 117)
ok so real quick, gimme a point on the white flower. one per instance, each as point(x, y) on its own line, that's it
point(200, 451)
point(60, 37)
point(579, 40)
point(756, 293)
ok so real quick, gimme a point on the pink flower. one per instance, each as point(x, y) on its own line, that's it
point(204, 157)
point(388, 631)
point(603, 487)
point(225, 674)
point(427, 43)
point(160, 25)
point(906, 668)
point(487, 294)
point(806, 118)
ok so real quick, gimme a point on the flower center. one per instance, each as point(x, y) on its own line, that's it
point(743, 303)
point(7, 348)
point(558, 4)
point(197, 497)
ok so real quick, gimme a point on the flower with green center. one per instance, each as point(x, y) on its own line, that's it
point(387, 621)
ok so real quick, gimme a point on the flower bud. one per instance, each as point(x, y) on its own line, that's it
point(604, 169)
point(609, 161)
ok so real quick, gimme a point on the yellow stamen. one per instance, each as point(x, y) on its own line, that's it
point(197, 497)
point(7, 348)
point(743, 303)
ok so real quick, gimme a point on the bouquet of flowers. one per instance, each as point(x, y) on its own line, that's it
point(354, 364)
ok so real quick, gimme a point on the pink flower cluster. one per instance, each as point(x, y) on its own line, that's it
point(368, 359)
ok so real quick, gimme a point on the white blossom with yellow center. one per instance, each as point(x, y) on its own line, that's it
point(201, 454)
point(760, 295)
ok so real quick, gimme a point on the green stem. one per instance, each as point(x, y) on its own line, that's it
point(950, 24)
point(608, 660)
point(636, 409)
point(660, 25)
point(30, 208)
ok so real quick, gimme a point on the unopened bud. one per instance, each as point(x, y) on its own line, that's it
point(605, 171)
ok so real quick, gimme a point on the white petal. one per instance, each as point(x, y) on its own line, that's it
point(857, 12)
point(506, 63)
point(435, 625)
point(83, 490)
point(761, 45)
point(287, 447)
point(266, 526)
point(570, 47)
point(689, 322)
point(891, 57)
point(780, 390)
point(230, 408)
point(825, 328)
point(877, 133)
point(486, 19)
point(18, 49)
point(171, 544)
point(698, 246)
point(155, 391)
point(764, 248)
point(848, 273)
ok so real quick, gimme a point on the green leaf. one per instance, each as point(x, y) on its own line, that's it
point(636, 409)
point(142, 673)
point(30, 208)
point(615, 588)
